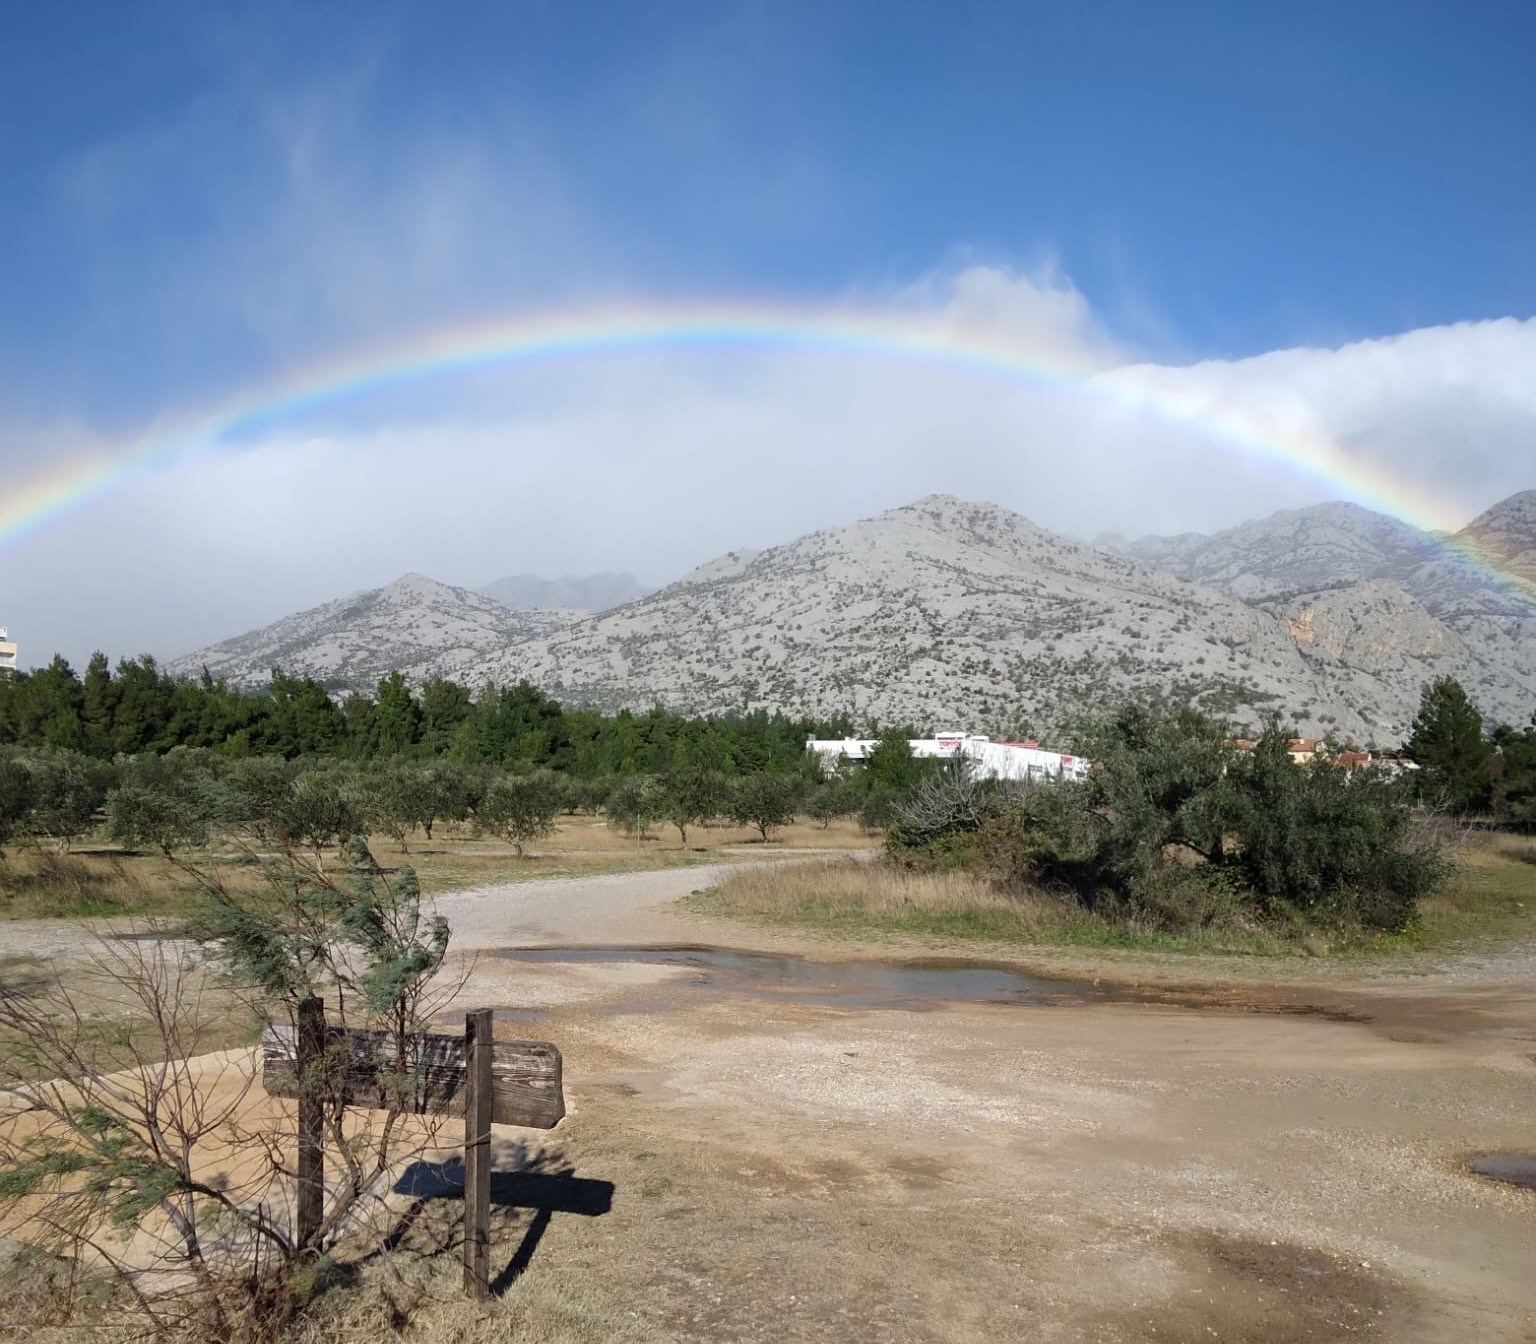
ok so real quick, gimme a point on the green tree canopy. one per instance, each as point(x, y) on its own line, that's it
point(1447, 742)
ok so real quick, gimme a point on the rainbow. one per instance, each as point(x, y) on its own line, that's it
point(541, 338)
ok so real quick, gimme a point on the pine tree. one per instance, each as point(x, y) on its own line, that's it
point(1447, 742)
point(98, 703)
point(1516, 784)
point(397, 716)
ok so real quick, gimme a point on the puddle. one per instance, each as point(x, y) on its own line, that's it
point(912, 985)
point(1511, 1168)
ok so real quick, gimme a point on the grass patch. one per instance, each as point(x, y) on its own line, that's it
point(44, 884)
point(1491, 899)
point(97, 1010)
point(847, 897)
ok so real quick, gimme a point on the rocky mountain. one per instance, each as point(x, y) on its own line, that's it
point(415, 624)
point(1288, 553)
point(949, 613)
point(1508, 531)
point(570, 592)
point(1486, 569)
point(1380, 598)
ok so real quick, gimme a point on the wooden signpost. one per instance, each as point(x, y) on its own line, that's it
point(474, 1075)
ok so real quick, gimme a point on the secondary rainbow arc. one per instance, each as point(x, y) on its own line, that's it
point(571, 334)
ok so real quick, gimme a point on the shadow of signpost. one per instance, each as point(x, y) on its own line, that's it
point(547, 1185)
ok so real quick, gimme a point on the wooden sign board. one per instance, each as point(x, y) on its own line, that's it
point(525, 1075)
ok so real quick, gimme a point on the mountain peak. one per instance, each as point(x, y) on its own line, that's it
point(978, 520)
point(1517, 512)
point(1506, 534)
point(414, 585)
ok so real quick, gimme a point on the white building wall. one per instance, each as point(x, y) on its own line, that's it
point(993, 760)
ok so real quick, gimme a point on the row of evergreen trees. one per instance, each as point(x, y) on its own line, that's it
point(139, 708)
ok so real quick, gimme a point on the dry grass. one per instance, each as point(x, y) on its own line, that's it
point(1490, 900)
point(111, 1023)
point(42, 883)
point(1493, 849)
point(96, 880)
point(588, 846)
point(422, 1299)
point(858, 896)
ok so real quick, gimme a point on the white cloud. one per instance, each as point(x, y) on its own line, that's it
point(1446, 413)
point(324, 238)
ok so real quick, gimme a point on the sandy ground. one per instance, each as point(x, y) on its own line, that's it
point(1250, 1162)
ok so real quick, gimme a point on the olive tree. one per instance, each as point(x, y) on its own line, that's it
point(634, 804)
point(520, 808)
point(690, 797)
point(765, 801)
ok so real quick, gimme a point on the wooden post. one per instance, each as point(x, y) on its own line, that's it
point(477, 1152)
point(309, 1065)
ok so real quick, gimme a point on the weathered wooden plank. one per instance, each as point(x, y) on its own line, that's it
point(526, 1076)
point(478, 1042)
point(309, 1043)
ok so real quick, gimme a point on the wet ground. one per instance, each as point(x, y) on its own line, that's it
point(912, 985)
point(1518, 1169)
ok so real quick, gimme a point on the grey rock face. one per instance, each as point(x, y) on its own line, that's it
point(1383, 600)
point(946, 611)
point(415, 624)
point(1289, 553)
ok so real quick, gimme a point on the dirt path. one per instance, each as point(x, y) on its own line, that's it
point(620, 908)
point(1273, 1162)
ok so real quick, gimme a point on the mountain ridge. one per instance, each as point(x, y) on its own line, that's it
point(968, 612)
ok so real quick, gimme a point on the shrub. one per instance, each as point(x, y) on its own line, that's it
point(1324, 842)
point(1174, 828)
point(15, 799)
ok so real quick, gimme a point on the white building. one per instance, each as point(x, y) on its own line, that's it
point(992, 760)
point(7, 651)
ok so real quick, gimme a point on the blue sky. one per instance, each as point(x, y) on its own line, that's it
point(201, 195)
point(1218, 178)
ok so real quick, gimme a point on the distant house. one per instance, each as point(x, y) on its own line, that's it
point(7, 651)
point(992, 760)
point(1305, 750)
point(1352, 760)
